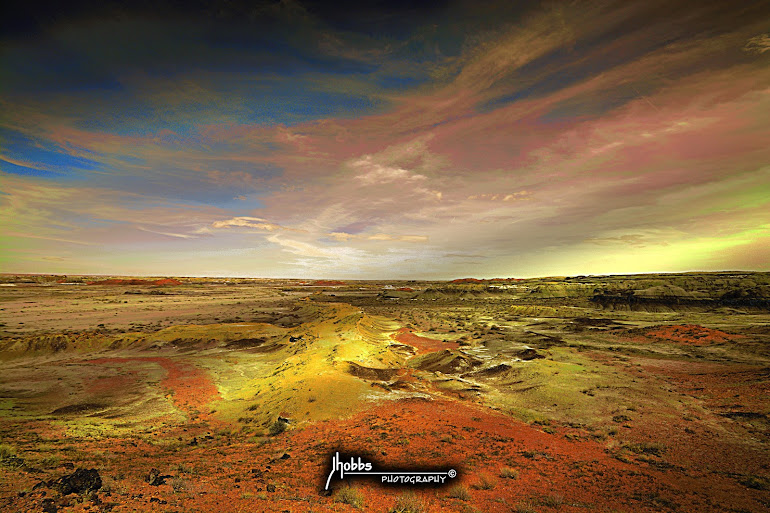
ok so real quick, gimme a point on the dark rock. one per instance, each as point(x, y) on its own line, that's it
point(49, 506)
point(80, 481)
point(271, 488)
point(154, 477)
point(370, 373)
point(529, 354)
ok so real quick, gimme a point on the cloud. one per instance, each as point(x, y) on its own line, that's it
point(758, 44)
point(42, 237)
point(248, 222)
point(634, 240)
point(167, 234)
point(308, 250)
point(471, 256)
point(45, 210)
point(372, 173)
point(343, 237)
point(514, 196)
point(21, 163)
point(256, 223)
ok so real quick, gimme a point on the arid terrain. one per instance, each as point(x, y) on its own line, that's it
point(572, 394)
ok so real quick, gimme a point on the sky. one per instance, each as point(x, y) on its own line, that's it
point(384, 140)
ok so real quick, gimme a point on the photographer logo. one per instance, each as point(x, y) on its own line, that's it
point(355, 466)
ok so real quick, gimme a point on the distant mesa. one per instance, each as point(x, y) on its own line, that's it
point(476, 280)
point(157, 283)
point(328, 283)
point(166, 281)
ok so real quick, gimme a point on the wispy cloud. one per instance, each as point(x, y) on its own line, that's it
point(758, 44)
point(342, 236)
point(375, 174)
point(167, 234)
point(248, 222)
point(53, 239)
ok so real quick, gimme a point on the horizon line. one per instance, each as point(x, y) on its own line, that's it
point(646, 273)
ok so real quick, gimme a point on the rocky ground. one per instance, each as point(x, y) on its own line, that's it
point(607, 394)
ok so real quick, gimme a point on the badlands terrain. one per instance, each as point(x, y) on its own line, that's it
point(572, 394)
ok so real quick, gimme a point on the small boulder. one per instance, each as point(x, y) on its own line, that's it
point(81, 481)
point(49, 506)
point(154, 477)
point(529, 354)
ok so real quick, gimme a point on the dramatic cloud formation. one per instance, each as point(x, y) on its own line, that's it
point(310, 139)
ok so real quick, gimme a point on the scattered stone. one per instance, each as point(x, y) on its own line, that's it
point(154, 477)
point(271, 488)
point(529, 354)
point(80, 481)
point(49, 506)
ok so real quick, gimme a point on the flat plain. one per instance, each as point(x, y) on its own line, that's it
point(574, 394)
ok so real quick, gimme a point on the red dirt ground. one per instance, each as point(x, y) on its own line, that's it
point(422, 344)
point(723, 431)
point(565, 471)
point(725, 388)
point(191, 388)
point(688, 334)
point(106, 384)
point(327, 283)
point(165, 282)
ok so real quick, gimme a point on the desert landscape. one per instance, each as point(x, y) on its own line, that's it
point(457, 256)
point(591, 393)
